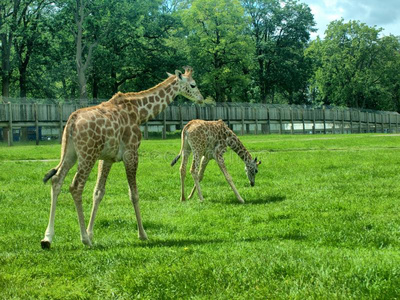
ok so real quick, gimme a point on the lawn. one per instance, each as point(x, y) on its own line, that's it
point(322, 222)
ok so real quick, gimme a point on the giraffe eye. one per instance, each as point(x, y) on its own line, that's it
point(192, 86)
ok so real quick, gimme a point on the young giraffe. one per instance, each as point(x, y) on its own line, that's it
point(110, 132)
point(209, 140)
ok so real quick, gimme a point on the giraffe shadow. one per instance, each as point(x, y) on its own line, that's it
point(269, 199)
point(257, 201)
point(178, 243)
point(168, 243)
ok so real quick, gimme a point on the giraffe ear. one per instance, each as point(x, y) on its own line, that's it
point(169, 74)
point(178, 74)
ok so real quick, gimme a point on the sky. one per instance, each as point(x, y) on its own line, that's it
point(382, 13)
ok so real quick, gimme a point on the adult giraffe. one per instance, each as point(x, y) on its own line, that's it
point(110, 132)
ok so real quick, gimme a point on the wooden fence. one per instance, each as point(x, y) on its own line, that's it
point(242, 118)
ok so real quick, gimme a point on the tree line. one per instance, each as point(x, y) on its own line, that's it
point(241, 51)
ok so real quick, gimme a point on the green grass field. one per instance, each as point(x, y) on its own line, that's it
point(322, 222)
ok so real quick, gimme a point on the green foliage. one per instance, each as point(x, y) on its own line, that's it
point(241, 50)
point(281, 31)
point(321, 223)
point(356, 67)
point(218, 47)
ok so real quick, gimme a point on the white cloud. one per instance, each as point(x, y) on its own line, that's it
point(379, 13)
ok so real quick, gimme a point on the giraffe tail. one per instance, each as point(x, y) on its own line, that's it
point(49, 174)
point(183, 139)
point(64, 144)
point(175, 160)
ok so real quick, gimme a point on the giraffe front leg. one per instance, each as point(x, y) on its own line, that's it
point(221, 164)
point(194, 170)
point(98, 194)
point(56, 184)
point(203, 165)
point(131, 160)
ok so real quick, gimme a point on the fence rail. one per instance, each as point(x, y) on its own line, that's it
point(19, 118)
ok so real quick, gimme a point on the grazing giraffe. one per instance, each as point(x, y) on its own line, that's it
point(209, 140)
point(110, 132)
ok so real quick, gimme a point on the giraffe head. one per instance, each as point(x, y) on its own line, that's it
point(187, 86)
point(251, 169)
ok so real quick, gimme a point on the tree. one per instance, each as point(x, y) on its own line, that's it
point(26, 35)
point(133, 51)
point(10, 18)
point(355, 66)
point(218, 47)
point(281, 31)
point(82, 59)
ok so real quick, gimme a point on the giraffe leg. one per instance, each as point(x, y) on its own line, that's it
point(131, 164)
point(57, 182)
point(76, 190)
point(98, 194)
point(221, 164)
point(185, 157)
point(203, 165)
point(194, 170)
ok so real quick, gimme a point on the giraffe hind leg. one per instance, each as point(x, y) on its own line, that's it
point(57, 181)
point(185, 158)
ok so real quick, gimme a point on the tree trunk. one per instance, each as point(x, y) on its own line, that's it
point(81, 63)
point(22, 78)
point(5, 64)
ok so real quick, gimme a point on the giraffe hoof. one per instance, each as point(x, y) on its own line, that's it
point(87, 242)
point(45, 244)
point(143, 237)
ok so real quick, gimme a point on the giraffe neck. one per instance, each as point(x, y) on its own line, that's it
point(149, 103)
point(236, 145)
point(153, 102)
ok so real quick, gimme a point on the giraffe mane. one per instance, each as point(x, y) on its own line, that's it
point(161, 84)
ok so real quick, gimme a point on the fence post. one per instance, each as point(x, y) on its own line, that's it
point(228, 114)
point(164, 130)
point(36, 123)
point(351, 120)
point(280, 121)
point(324, 117)
point(291, 120)
point(376, 123)
point(383, 124)
point(367, 116)
point(397, 124)
point(198, 114)
point(10, 128)
point(390, 125)
point(256, 117)
point(359, 121)
point(304, 123)
point(313, 114)
point(334, 112)
point(242, 129)
point(146, 131)
point(180, 117)
point(268, 122)
point(343, 121)
point(60, 107)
